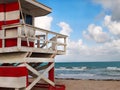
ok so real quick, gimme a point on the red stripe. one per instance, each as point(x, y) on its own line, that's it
point(12, 21)
point(11, 42)
point(9, 7)
point(1, 23)
point(12, 6)
point(13, 71)
point(24, 43)
point(1, 8)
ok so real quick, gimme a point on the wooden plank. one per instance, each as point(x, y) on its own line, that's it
point(9, 49)
point(13, 82)
point(19, 38)
point(43, 30)
point(48, 81)
point(11, 26)
point(36, 60)
point(3, 40)
point(11, 59)
point(16, 88)
point(29, 49)
point(32, 69)
point(41, 77)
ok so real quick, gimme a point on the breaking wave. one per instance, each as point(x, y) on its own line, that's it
point(113, 68)
point(72, 68)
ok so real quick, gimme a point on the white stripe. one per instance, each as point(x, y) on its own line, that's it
point(13, 82)
point(12, 15)
point(1, 16)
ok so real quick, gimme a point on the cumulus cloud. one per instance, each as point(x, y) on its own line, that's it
point(96, 33)
point(78, 51)
point(44, 22)
point(112, 5)
point(113, 26)
point(66, 29)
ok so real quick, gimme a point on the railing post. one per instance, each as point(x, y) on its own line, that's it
point(56, 42)
point(46, 40)
point(65, 44)
point(19, 37)
point(3, 39)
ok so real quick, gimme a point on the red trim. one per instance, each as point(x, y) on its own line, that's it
point(51, 73)
point(45, 86)
point(13, 71)
point(12, 21)
point(1, 23)
point(11, 42)
point(51, 77)
point(1, 7)
point(12, 6)
point(24, 43)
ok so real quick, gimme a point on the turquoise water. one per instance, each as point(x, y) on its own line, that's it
point(88, 70)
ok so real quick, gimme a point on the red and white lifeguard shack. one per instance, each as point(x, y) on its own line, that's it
point(26, 52)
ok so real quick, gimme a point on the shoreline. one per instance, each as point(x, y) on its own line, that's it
point(87, 79)
point(78, 84)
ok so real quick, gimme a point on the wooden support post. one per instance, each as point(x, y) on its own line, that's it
point(65, 44)
point(51, 76)
point(46, 40)
point(19, 37)
point(51, 72)
point(38, 42)
point(3, 39)
point(16, 89)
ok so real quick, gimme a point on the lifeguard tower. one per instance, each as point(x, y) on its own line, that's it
point(26, 52)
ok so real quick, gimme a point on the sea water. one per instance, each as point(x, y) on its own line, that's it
point(88, 70)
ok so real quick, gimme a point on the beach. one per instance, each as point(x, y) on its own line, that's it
point(89, 84)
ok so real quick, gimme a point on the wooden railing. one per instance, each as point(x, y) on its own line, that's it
point(41, 38)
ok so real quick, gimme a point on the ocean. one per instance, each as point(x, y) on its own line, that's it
point(88, 70)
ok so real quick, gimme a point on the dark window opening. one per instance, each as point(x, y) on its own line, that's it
point(28, 19)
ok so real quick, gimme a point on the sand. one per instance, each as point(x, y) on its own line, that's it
point(89, 84)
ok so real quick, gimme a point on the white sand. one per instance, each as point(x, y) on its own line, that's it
point(89, 84)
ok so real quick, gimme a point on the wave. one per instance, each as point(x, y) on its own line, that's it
point(72, 68)
point(78, 68)
point(113, 68)
point(75, 75)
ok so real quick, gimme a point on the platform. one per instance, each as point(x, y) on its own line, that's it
point(34, 39)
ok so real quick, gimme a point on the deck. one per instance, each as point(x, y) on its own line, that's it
point(44, 41)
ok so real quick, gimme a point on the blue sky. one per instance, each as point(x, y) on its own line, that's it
point(78, 13)
point(92, 26)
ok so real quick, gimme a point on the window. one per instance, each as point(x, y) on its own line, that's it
point(28, 19)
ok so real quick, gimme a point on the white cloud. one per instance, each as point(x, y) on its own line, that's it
point(66, 29)
point(112, 5)
point(113, 26)
point(78, 51)
point(44, 22)
point(96, 33)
